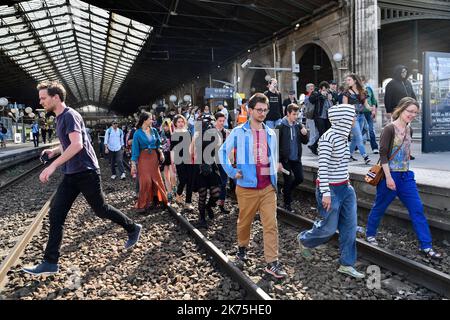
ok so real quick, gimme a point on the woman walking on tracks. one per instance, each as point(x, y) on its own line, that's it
point(81, 174)
point(146, 152)
point(395, 152)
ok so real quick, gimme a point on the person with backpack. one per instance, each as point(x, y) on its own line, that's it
point(114, 146)
point(206, 175)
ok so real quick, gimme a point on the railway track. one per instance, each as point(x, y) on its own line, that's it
point(255, 287)
point(9, 269)
point(418, 273)
point(252, 289)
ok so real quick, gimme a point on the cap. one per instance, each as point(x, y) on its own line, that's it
point(291, 91)
point(333, 82)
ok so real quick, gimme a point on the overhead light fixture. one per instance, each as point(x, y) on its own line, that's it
point(337, 57)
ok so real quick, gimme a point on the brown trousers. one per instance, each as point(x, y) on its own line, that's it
point(263, 201)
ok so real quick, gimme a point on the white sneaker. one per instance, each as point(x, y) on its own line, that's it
point(376, 151)
point(113, 177)
point(122, 177)
point(349, 270)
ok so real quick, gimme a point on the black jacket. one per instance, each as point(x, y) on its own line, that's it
point(284, 132)
point(318, 100)
point(397, 89)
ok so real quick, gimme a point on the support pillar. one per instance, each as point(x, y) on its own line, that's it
point(366, 41)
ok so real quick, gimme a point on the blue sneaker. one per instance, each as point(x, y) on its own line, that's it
point(133, 237)
point(42, 269)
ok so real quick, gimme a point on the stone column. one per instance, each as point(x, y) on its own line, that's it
point(366, 41)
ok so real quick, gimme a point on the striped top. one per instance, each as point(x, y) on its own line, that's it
point(334, 153)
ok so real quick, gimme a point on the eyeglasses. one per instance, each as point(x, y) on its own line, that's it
point(412, 112)
point(261, 111)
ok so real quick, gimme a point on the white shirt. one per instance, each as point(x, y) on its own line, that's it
point(224, 111)
point(114, 139)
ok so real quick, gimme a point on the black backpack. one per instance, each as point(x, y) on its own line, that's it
point(4, 130)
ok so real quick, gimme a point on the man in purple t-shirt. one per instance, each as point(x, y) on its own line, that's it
point(81, 174)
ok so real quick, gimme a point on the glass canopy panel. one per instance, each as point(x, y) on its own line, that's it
point(89, 49)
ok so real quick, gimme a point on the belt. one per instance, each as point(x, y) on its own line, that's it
point(337, 184)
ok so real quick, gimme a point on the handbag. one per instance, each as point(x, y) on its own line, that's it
point(376, 173)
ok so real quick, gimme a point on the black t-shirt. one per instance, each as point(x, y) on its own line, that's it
point(275, 106)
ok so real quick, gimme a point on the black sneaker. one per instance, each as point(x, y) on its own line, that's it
point(411, 157)
point(275, 270)
point(201, 224)
point(288, 207)
point(366, 159)
point(241, 255)
point(353, 158)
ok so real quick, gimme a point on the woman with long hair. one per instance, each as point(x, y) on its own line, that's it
point(356, 95)
point(182, 160)
point(206, 173)
point(395, 152)
point(166, 166)
point(144, 157)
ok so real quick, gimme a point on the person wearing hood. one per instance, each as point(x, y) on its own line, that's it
point(292, 135)
point(398, 88)
point(336, 198)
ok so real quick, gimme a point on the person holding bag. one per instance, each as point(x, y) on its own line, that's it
point(395, 150)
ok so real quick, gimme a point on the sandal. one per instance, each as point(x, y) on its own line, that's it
point(430, 253)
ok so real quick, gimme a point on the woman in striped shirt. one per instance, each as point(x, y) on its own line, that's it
point(336, 198)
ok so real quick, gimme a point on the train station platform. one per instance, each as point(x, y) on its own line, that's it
point(432, 174)
point(14, 153)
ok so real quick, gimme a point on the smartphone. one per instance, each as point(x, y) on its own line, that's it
point(45, 158)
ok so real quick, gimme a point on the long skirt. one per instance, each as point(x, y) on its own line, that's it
point(150, 180)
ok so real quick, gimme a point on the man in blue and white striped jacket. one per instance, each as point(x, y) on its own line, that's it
point(336, 198)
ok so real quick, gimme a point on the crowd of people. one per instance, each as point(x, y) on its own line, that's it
point(200, 150)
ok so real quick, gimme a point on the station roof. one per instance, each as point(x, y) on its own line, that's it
point(120, 55)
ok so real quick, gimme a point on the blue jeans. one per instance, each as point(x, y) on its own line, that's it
point(409, 196)
point(373, 139)
point(273, 124)
point(357, 139)
point(342, 216)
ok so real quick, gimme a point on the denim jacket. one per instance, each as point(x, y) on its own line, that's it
point(141, 142)
point(241, 138)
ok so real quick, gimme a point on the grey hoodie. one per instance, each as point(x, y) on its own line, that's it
point(333, 149)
